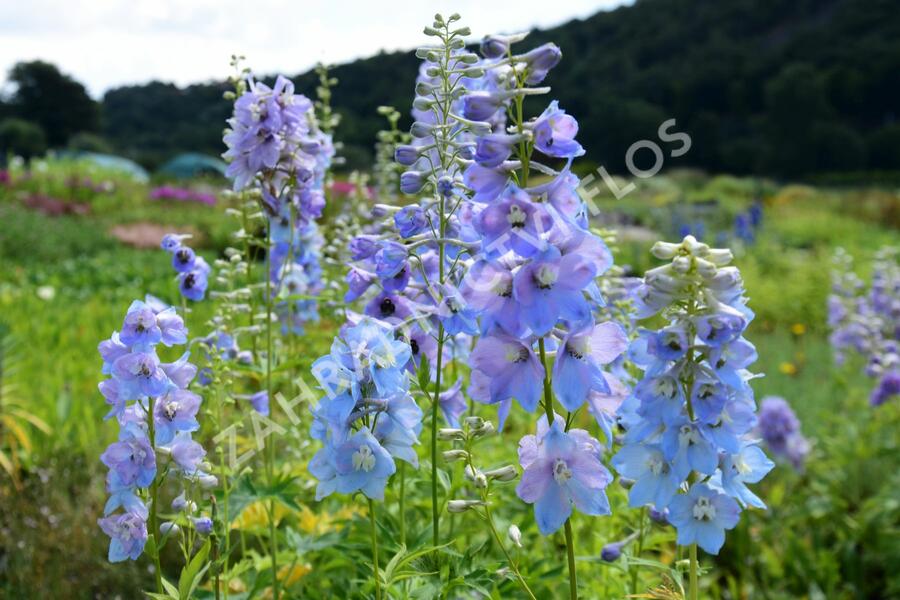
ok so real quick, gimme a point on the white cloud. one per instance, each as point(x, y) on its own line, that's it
point(105, 43)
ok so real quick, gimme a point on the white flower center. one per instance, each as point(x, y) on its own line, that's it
point(665, 386)
point(516, 216)
point(704, 509)
point(688, 436)
point(561, 472)
point(545, 276)
point(656, 465)
point(364, 459)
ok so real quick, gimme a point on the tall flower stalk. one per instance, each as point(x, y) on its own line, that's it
point(689, 446)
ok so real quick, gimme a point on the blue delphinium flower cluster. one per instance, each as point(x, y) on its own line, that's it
point(276, 147)
point(367, 417)
point(193, 271)
point(156, 415)
point(485, 257)
point(689, 418)
point(867, 321)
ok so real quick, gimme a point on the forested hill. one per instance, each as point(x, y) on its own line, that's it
point(787, 87)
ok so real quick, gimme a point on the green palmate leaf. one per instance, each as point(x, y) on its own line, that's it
point(193, 572)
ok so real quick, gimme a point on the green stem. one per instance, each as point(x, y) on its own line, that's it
point(435, 513)
point(403, 503)
point(375, 550)
point(513, 566)
point(154, 502)
point(270, 447)
point(548, 408)
point(570, 554)
point(640, 548)
point(694, 584)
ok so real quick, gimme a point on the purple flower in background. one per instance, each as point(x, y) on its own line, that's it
point(561, 475)
point(260, 402)
point(128, 534)
point(780, 430)
point(193, 285)
point(183, 259)
point(701, 517)
point(453, 404)
point(888, 387)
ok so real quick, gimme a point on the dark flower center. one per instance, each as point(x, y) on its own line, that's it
point(387, 307)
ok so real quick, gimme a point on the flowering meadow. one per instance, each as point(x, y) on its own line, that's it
point(468, 372)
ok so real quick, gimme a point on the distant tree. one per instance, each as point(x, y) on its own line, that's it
point(21, 138)
point(89, 142)
point(53, 100)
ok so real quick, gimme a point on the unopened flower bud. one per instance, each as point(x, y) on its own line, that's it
point(665, 250)
point(474, 422)
point(719, 256)
point(449, 434)
point(203, 525)
point(461, 506)
point(208, 481)
point(169, 527)
point(455, 455)
point(507, 473)
point(659, 516)
point(486, 428)
point(611, 552)
point(515, 535)
point(705, 268)
point(681, 264)
point(626, 483)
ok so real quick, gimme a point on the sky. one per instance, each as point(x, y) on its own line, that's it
point(108, 43)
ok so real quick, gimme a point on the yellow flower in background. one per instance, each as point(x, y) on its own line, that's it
point(788, 368)
point(798, 329)
point(256, 515)
point(321, 522)
point(288, 575)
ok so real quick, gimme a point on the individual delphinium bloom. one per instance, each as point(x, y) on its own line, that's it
point(153, 408)
point(690, 419)
point(779, 428)
point(702, 516)
point(359, 463)
point(453, 403)
point(563, 473)
point(866, 320)
point(128, 535)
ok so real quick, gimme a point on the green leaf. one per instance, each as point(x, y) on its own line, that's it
point(150, 547)
point(191, 573)
point(170, 589)
point(424, 373)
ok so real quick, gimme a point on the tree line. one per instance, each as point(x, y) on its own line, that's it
point(780, 87)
